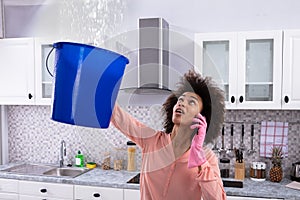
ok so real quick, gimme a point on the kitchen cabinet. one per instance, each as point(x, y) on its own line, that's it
point(1, 20)
point(43, 79)
point(103, 193)
point(131, 194)
point(41, 190)
point(9, 189)
point(248, 198)
point(247, 65)
point(17, 71)
point(291, 66)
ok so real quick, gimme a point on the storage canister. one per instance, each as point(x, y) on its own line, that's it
point(224, 167)
point(131, 151)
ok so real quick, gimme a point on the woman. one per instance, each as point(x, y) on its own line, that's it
point(175, 162)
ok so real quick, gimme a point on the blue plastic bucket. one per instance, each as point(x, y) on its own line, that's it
point(86, 84)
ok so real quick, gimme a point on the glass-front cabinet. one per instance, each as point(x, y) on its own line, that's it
point(43, 75)
point(247, 65)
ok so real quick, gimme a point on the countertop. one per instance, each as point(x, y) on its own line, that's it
point(118, 179)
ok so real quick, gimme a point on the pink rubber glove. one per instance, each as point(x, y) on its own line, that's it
point(197, 155)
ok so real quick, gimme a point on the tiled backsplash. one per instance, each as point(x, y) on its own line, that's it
point(34, 137)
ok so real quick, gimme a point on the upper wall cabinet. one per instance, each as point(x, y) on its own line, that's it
point(17, 71)
point(43, 77)
point(291, 66)
point(248, 65)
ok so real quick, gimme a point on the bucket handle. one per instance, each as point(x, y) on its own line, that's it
point(47, 58)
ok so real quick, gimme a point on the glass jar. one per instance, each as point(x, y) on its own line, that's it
point(225, 167)
point(253, 169)
point(131, 151)
point(258, 170)
point(118, 156)
point(263, 170)
point(105, 161)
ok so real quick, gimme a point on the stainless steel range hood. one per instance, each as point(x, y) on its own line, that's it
point(153, 57)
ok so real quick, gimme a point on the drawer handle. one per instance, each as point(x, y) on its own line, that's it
point(43, 190)
point(286, 99)
point(96, 195)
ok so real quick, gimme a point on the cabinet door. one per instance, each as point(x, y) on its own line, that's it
point(9, 186)
point(215, 56)
point(8, 196)
point(43, 79)
point(291, 70)
point(46, 190)
point(101, 193)
point(17, 71)
point(259, 69)
point(248, 198)
point(9, 189)
point(247, 65)
point(131, 194)
point(26, 197)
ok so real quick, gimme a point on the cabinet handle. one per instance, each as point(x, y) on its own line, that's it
point(241, 99)
point(286, 99)
point(30, 96)
point(232, 99)
point(43, 190)
point(96, 195)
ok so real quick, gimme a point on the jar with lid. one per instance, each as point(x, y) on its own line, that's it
point(131, 151)
point(224, 167)
point(253, 169)
point(258, 170)
point(263, 170)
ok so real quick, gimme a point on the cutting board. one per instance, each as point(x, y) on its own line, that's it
point(294, 185)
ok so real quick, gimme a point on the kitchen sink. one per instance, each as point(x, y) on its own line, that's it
point(46, 170)
point(66, 171)
point(28, 169)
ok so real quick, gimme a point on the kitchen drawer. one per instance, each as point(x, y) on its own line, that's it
point(49, 190)
point(9, 186)
point(27, 197)
point(131, 194)
point(101, 193)
point(8, 196)
point(248, 198)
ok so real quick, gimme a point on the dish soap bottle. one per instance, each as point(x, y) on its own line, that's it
point(79, 160)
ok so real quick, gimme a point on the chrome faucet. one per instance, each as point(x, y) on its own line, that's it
point(63, 152)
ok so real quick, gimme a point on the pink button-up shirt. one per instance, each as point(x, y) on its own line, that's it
point(162, 176)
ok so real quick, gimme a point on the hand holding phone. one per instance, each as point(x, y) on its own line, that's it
point(197, 155)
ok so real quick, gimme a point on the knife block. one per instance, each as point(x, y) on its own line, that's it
point(239, 170)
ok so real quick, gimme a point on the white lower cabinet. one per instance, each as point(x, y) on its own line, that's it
point(7, 196)
point(131, 194)
point(27, 197)
point(40, 190)
point(248, 198)
point(101, 193)
point(9, 189)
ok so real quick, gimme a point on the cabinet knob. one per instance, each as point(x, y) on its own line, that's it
point(286, 99)
point(30, 96)
point(43, 190)
point(96, 195)
point(241, 99)
point(232, 99)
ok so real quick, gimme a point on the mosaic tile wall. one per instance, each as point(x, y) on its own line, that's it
point(34, 137)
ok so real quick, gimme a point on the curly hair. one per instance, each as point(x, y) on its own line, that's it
point(213, 102)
